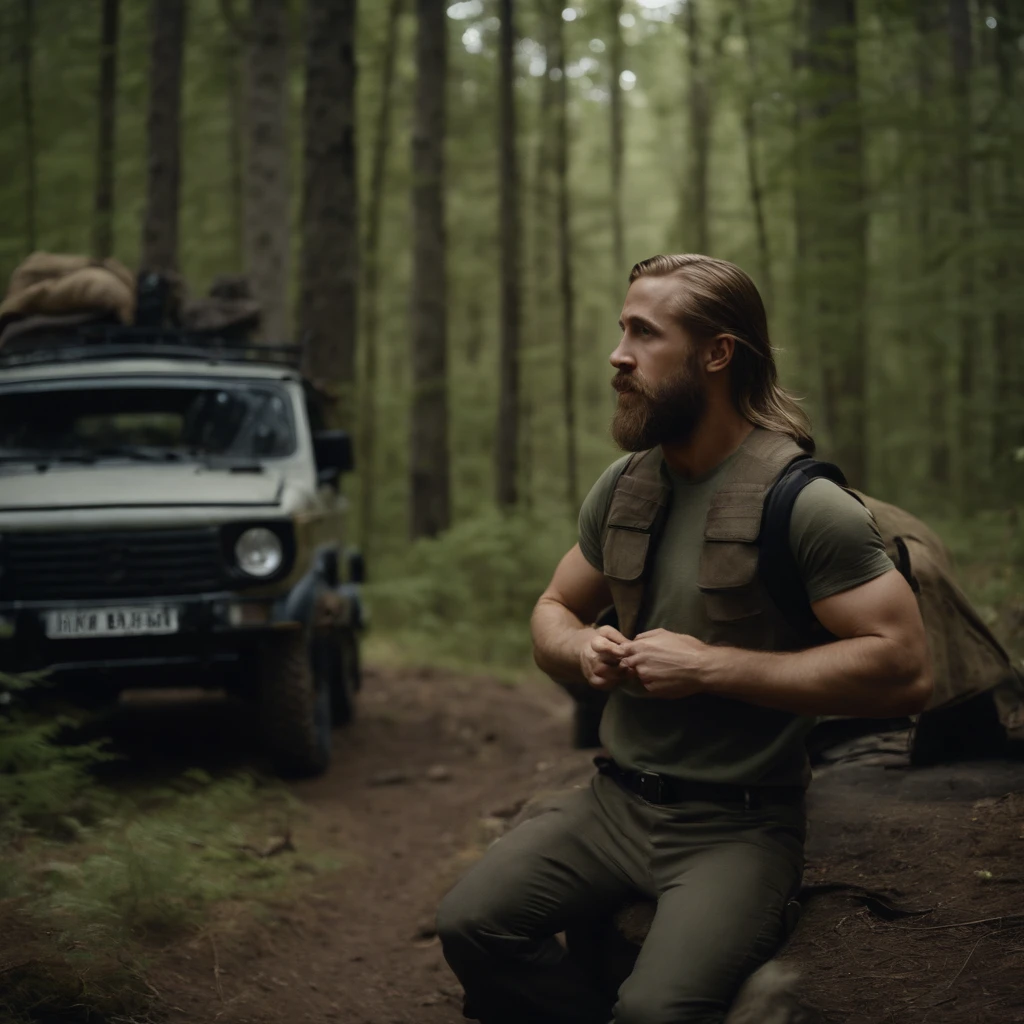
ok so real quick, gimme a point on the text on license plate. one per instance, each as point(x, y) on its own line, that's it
point(146, 621)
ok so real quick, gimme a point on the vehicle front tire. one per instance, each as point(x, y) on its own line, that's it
point(295, 705)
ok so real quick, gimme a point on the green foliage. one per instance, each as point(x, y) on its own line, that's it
point(468, 594)
point(41, 779)
point(159, 873)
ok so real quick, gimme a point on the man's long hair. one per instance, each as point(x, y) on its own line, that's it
point(716, 297)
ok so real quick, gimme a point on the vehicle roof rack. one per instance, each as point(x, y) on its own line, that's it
point(117, 341)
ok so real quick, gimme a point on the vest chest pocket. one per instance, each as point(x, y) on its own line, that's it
point(625, 554)
point(637, 508)
point(727, 574)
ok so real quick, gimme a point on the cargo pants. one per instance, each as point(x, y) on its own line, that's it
point(722, 875)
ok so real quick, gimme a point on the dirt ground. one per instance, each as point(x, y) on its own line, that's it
point(436, 763)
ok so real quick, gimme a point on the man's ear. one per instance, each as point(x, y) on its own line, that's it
point(719, 353)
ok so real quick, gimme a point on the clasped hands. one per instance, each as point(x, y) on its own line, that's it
point(666, 664)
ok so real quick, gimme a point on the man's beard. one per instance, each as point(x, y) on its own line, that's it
point(648, 415)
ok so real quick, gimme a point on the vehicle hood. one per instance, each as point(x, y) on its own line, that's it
point(136, 486)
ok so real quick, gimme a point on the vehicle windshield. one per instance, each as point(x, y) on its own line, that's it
point(146, 420)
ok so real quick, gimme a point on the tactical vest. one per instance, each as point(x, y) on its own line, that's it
point(739, 608)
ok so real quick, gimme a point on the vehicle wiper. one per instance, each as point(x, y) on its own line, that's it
point(40, 455)
point(131, 451)
point(146, 453)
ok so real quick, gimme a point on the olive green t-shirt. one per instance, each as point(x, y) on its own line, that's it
point(711, 738)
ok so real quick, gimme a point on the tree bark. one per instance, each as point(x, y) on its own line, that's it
point(807, 370)
point(103, 215)
point(565, 282)
point(750, 137)
point(615, 59)
point(835, 226)
point(937, 443)
point(507, 454)
point(328, 319)
point(695, 231)
point(541, 266)
point(964, 451)
point(28, 116)
point(267, 178)
point(235, 61)
point(430, 496)
point(1008, 323)
point(163, 136)
point(371, 279)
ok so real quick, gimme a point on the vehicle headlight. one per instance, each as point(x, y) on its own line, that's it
point(258, 552)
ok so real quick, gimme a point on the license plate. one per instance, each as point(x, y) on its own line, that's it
point(146, 621)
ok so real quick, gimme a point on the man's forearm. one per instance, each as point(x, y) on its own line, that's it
point(866, 676)
point(558, 637)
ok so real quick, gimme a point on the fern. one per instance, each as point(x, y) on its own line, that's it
point(41, 779)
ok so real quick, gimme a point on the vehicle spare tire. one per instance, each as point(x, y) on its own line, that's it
point(295, 705)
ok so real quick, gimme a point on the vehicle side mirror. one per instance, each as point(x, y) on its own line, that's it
point(332, 450)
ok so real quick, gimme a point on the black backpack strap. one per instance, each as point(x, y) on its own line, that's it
point(903, 564)
point(776, 563)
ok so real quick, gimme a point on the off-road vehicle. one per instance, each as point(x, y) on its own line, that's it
point(171, 515)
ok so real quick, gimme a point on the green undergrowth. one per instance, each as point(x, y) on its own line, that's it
point(97, 879)
point(463, 600)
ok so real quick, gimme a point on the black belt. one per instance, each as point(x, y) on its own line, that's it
point(665, 789)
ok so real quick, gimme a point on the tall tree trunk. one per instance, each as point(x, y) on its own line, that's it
point(163, 136)
point(328, 318)
point(836, 227)
point(235, 70)
point(430, 496)
point(103, 215)
point(1008, 319)
point(932, 334)
point(964, 451)
point(750, 137)
point(615, 60)
point(565, 283)
point(807, 371)
point(695, 232)
point(507, 454)
point(28, 116)
point(267, 179)
point(540, 262)
point(371, 279)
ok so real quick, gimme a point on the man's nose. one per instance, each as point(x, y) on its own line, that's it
point(621, 358)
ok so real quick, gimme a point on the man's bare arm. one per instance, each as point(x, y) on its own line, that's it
point(879, 667)
point(565, 646)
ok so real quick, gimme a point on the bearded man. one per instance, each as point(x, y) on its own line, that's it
point(699, 803)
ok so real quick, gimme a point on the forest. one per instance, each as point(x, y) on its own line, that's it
point(442, 204)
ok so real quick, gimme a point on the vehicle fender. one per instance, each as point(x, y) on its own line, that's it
point(318, 601)
point(299, 604)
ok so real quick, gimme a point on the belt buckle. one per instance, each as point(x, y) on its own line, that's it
point(651, 787)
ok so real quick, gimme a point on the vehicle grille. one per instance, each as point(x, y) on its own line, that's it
point(126, 563)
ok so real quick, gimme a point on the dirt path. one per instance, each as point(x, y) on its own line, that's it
point(412, 793)
point(423, 780)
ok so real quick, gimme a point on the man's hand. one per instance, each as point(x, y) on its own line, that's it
point(600, 658)
point(667, 664)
